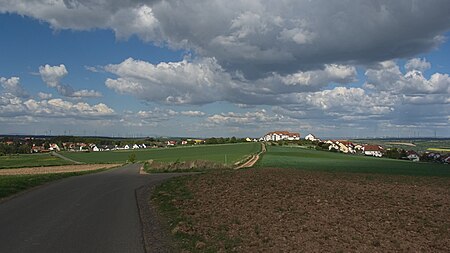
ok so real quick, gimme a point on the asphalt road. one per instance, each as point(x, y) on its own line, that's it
point(90, 213)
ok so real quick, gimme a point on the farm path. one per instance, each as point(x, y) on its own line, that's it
point(91, 213)
point(65, 158)
point(253, 159)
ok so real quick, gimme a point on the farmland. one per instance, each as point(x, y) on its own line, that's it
point(300, 199)
point(292, 210)
point(308, 159)
point(225, 153)
point(419, 145)
point(31, 160)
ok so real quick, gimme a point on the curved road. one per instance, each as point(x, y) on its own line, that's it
point(90, 213)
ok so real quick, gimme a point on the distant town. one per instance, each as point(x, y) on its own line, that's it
point(44, 144)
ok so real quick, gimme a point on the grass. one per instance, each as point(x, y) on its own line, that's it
point(165, 196)
point(292, 157)
point(30, 160)
point(13, 184)
point(186, 166)
point(225, 153)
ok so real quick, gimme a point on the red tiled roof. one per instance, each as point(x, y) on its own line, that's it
point(373, 148)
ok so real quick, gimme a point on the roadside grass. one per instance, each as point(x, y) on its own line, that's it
point(10, 185)
point(30, 160)
point(306, 159)
point(166, 195)
point(224, 153)
point(184, 166)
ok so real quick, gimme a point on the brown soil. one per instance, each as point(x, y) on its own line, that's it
point(283, 210)
point(55, 169)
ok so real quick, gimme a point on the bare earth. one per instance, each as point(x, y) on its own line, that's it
point(55, 169)
point(283, 210)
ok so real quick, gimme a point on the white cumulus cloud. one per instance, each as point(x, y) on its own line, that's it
point(13, 86)
point(52, 76)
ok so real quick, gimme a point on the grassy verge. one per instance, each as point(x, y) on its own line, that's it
point(166, 196)
point(10, 185)
point(177, 205)
point(183, 166)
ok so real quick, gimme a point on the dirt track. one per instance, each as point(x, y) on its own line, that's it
point(55, 169)
point(253, 159)
point(282, 210)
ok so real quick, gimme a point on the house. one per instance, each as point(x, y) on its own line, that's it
point(311, 137)
point(248, 139)
point(82, 146)
point(171, 143)
point(346, 147)
point(54, 147)
point(142, 145)
point(413, 156)
point(332, 145)
point(95, 149)
point(281, 135)
point(126, 147)
point(37, 149)
point(373, 150)
point(198, 141)
point(135, 146)
point(446, 159)
point(184, 142)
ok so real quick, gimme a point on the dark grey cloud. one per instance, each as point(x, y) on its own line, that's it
point(259, 37)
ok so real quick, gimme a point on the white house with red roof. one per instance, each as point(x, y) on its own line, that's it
point(281, 135)
point(373, 150)
point(311, 137)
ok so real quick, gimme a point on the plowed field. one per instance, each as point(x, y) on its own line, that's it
point(287, 210)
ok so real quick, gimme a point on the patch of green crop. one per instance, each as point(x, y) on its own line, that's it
point(292, 157)
point(30, 160)
point(224, 153)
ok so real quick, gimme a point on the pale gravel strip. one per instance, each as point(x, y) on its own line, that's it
point(56, 169)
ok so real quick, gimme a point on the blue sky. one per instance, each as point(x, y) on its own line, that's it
point(169, 68)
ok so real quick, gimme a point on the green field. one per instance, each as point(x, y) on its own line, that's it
point(225, 153)
point(296, 157)
point(31, 160)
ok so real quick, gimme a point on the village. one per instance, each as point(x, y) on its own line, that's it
point(54, 144)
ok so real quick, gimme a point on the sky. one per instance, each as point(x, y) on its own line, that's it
point(134, 68)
